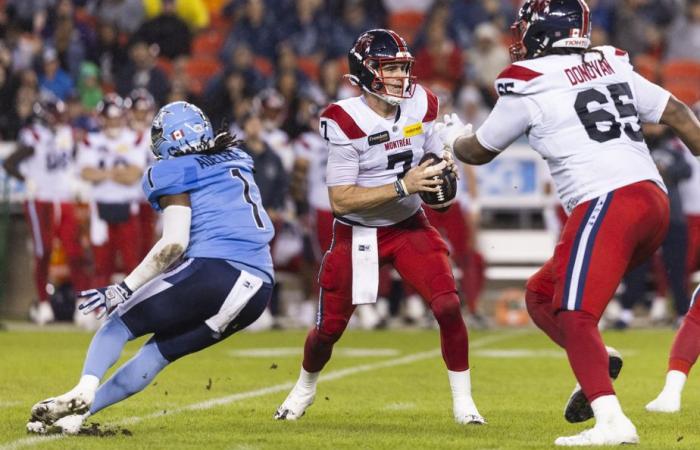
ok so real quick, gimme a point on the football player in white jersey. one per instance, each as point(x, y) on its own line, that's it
point(375, 142)
point(142, 108)
point(582, 109)
point(112, 161)
point(45, 161)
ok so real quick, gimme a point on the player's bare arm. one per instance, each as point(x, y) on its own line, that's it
point(11, 164)
point(95, 175)
point(682, 120)
point(470, 151)
point(351, 198)
point(126, 175)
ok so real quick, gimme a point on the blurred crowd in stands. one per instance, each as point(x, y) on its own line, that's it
point(265, 68)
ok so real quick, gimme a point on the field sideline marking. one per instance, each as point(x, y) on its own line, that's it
point(282, 387)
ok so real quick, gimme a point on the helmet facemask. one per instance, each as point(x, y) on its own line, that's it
point(392, 88)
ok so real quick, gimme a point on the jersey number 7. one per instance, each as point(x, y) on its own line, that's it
point(592, 119)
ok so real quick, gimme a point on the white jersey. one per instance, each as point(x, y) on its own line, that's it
point(690, 187)
point(100, 151)
point(51, 170)
point(312, 148)
point(368, 150)
point(583, 119)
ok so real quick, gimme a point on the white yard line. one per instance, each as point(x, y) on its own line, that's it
point(282, 387)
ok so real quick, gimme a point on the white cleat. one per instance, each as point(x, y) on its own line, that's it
point(665, 403)
point(620, 431)
point(294, 406)
point(71, 424)
point(41, 313)
point(72, 402)
point(470, 419)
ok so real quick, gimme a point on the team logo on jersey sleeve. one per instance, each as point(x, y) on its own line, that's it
point(378, 138)
point(413, 130)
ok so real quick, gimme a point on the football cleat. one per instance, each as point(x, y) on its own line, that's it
point(578, 409)
point(666, 402)
point(470, 419)
point(72, 402)
point(294, 406)
point(617, 432)
point(70, 424)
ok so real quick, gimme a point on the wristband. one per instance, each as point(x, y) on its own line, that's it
point(400, 188)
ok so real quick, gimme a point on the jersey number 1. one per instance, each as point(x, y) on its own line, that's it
point(235, 173)
point(591, 119)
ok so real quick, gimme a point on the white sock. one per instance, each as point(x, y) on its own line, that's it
point(627, 316)
point(461, 384)
point(88, 383)
point(675, 380)
point(308, 380)
point(606, 408)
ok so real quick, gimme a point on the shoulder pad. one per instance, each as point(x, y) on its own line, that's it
point(431, 111)
point(518, 79)
point(340, 127)
point(614, 53)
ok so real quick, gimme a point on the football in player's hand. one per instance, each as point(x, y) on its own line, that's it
point(441, 200)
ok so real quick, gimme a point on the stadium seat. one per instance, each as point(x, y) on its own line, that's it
point(166, 65)
point(207, 43)
point(263, 65)
point(200, 70)
point(309, 66)
point(407, 24)
point(682, 78)
point(648, 67)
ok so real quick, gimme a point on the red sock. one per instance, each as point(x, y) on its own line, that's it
point(686, 345)
point(540, 308)
point(317, 351)
point(586, 352)
point(453, 332)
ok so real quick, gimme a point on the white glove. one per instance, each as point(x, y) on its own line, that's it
point(450, 129)
point(107, 298)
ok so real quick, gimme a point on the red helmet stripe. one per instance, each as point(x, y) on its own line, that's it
point(397, 39)
point(586, 17)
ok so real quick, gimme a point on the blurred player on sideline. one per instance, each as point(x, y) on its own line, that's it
point(212, 215)
point(375, 142)
point(113, 161)
point(141, 108)
point(45, 161)
point(582, 110)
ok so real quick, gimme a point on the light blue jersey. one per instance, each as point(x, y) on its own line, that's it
point(228, 218)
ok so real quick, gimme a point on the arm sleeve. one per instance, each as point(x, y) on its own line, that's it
point(343, 165)
point(510, 119)
point(165, 178)
point(651, 99)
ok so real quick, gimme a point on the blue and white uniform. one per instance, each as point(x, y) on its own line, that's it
point(228, 249)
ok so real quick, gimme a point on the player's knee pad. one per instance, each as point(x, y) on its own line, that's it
point(534, 300)
point(446, 308)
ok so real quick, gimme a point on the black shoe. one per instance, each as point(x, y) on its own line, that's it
point(578, 409)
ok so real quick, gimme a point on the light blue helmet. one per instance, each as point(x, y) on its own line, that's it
point(180, 128)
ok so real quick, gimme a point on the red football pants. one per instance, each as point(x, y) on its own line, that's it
point(123, 239)
point(48, 222)
point(419, 254)
point(601, 241)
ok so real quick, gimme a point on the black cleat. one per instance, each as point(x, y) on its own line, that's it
point(578, 409)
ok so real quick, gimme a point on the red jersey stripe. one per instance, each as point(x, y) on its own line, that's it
point(432, 110)
point(519, 73)
point(346, 123)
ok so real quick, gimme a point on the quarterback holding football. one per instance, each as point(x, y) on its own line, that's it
point(376, 166)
